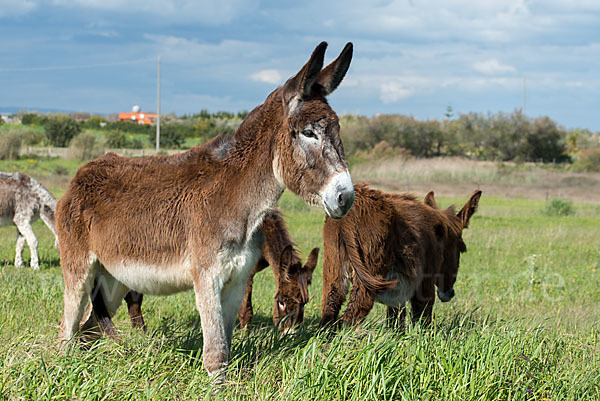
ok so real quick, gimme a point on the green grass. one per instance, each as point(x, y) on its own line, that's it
point(522, 327)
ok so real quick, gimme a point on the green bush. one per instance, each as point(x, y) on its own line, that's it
point(10, 144)
point(60, 131)
point(171, 137)
point(94, 122)
point(34, 119)
point(559, 207)
point(116, 139)
point(129, 127)
point(86, 146)
point(588, 160)
point(32, 137)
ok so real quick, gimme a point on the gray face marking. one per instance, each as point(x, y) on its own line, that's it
point(310, 140)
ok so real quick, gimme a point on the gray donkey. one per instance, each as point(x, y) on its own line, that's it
point(22, 201)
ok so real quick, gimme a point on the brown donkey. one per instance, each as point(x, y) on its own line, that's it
point(291, 278)
point(392, 248)
point(172, 223)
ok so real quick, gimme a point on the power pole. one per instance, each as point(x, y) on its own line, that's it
point(158, 107)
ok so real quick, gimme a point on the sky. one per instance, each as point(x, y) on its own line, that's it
point(412, 57)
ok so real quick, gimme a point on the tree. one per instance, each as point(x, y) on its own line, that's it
point(86, 146)
point(171, 137)
point(60, 131)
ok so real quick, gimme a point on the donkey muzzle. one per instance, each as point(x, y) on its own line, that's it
point(338, 195)
point(446, 296)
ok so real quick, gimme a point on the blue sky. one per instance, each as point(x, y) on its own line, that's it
point(410, 57)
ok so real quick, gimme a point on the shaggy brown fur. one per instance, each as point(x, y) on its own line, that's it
point(166, 224)
point(392, 248)
point(291, 278)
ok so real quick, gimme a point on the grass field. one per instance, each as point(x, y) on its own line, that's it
point(525, 324)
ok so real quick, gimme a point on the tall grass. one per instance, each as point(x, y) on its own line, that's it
point(521, 327)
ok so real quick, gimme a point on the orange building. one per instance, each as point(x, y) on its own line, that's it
point(138, 116)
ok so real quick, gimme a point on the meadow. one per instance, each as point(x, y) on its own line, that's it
point(524, 325)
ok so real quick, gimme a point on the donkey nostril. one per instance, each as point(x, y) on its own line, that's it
point(340, 199)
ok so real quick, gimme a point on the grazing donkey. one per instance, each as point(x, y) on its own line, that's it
point(291, 278)
point(392, 248)
point(171, 223)
point(22, 201)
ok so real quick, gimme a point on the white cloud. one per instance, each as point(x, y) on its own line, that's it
point(391, 92)
point(493, 66)
point(226, 54)
point(9, 8)
point(208, 12)
point(267, 76)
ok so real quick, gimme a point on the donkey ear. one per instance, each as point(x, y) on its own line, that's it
point(430, 200)
point(331, 76)
point(469, 208)
point(300, 85)
point(285, 260)
point(312, 260)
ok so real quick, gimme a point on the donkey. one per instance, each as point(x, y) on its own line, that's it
point(22, 201)
point(291, 278)
point(173, 223)
point(392, 248)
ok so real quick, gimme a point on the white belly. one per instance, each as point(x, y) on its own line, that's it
point(401, 293)
point(153, 279)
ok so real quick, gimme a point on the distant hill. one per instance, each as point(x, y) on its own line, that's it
point(15, 109)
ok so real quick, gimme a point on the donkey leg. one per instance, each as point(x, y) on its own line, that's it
point(215, 350)
point(24, 228)
point(422, 302)
point(335, 285)
point(134, 307)
point(78, 275)
point(360, 304)
point(231, 297)
point(19, 249)
point(100, 316)
point(106, 298)
point(246, 312)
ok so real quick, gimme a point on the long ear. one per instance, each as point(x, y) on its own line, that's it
point(312, 260)
point(469, 208)
point(430, 200)
point(300, 85)
point(331, 76)
point(285, 261)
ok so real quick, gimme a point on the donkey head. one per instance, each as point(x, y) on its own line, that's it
point(292, 288)
point(454, 244)
point(309, 158)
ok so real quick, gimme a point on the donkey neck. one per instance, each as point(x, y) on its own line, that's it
point(248, 165)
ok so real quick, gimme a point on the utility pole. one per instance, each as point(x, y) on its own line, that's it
point(158, 107)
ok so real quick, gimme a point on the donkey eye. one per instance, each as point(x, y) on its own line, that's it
point(309, 134)
point(281, 305)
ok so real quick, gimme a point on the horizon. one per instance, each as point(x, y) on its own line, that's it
point(411, 57)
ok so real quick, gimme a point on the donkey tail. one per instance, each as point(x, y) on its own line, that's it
point(372, 283)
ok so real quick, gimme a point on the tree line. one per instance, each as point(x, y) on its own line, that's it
point(499, 136)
